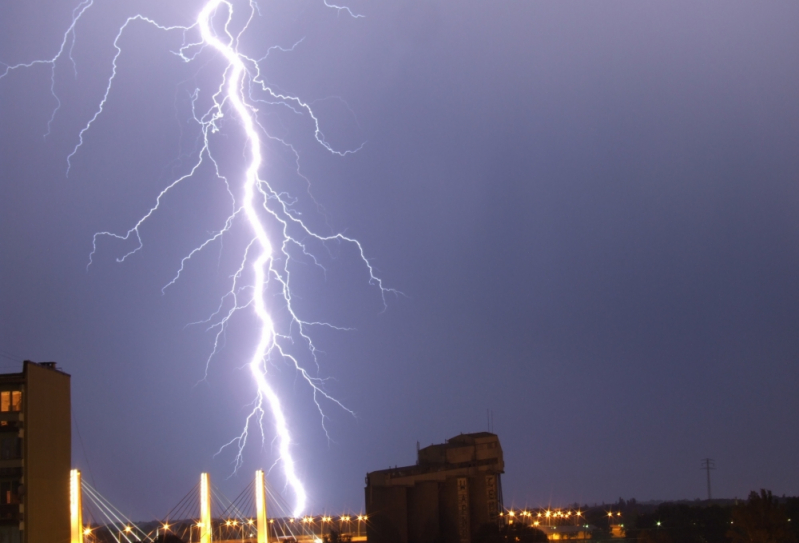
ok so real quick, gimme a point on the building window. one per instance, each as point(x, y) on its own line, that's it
point(10, 448)
point(10, 400)
point(9, 492)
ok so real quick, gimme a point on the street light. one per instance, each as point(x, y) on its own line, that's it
point(344, 519)
point(127, 533)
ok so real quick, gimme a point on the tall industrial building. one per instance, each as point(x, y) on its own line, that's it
point(453, 489)
point(35, 454)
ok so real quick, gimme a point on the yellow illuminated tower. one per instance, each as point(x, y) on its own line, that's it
point(205, 509)
point(260, 506)
point(75, 507)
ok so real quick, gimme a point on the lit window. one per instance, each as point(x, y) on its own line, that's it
point(10, 401)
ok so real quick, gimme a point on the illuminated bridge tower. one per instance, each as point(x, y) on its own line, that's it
point(453, 489)
point(260, 506)
point(75, 507)
point(206, 528)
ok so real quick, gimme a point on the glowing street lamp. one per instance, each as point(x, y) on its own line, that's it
point(344, 528)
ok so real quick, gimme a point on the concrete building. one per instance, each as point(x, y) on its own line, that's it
point(453, 489)
point(35, 455)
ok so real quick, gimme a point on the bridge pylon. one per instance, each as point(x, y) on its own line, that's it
point(206, 529)
point(260, 506)
point(75, 507)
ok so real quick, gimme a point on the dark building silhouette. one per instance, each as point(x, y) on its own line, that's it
point(453, 489)
point(35, 454)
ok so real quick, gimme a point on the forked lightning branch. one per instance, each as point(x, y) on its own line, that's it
point(276, 233)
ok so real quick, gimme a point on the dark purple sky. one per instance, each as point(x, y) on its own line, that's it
point(592, 207)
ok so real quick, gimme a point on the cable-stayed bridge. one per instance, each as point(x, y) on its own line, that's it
point(205, 515)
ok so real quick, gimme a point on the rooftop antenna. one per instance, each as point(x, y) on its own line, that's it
point(707, 465)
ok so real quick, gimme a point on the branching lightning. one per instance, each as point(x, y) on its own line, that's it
point(276, 231)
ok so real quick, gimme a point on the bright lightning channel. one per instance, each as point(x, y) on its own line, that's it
point(267, 212)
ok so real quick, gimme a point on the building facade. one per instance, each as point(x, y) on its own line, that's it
point(453, 489)
point(35, 454)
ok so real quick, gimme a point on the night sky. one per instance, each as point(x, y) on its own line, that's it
point(592, 209)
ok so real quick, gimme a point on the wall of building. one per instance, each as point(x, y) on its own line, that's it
point(423, 512)
point(47, 454)
point(387, 510)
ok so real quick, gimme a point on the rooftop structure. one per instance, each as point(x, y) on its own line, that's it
point(453, 489)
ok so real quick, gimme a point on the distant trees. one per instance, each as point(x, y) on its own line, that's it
point(167, 538)
point(513, 533)
point(760, 520)
point(681, 523)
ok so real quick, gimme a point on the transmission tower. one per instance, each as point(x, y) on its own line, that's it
point(707, 465)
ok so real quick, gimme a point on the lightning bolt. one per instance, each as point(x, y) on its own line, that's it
point(276, 231)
